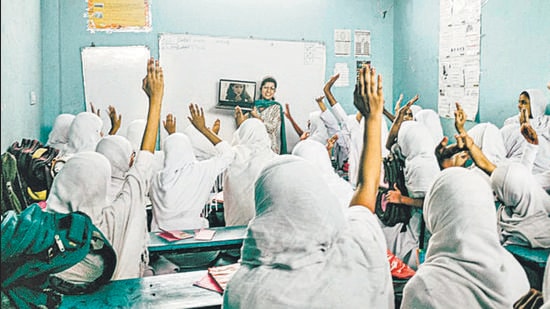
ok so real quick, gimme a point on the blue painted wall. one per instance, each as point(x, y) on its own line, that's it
point(41, 43)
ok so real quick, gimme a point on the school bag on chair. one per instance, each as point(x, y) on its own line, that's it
point(37, 244)
point(392, 213)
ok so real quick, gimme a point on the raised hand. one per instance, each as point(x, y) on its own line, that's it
point(92, 107)
point(116, 120)
point(403, 111)
point(170, 124)
point(331, 142)
point(153, 82)
point(327, 89)
point(398, 103)
point(460, 118)
point(239, 116)
point(254, 113)
point(360, 98)
point(216, 126)
point(197, 117)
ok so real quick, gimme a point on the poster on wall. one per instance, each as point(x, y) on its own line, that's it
point(459, 57)
point(119, 15)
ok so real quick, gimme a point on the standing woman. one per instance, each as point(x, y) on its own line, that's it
point(272, 114)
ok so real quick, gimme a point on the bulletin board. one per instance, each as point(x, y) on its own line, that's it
point(113, 76)
point(194, 64)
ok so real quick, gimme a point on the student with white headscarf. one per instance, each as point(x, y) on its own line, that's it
point(315, 153)
point(431, 120)
point(59, 135)
point(465, 264)
point(84, 133)
point(120, 153)
point(82, 185)
point(302, 250)
point(535, 155)
point(417, 146)
point(252, 148)
point(182, 188)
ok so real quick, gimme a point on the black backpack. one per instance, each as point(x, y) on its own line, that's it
point(37, 244)
point(391, 213)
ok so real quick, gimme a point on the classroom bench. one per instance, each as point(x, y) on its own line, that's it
point(163, 291)
point(533, 262)
point(226, 237)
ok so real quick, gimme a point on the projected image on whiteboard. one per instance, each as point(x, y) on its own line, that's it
point(236, 92)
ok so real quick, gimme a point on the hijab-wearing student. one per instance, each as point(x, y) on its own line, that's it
point(465, 264)
point(431, 120)
point(120, 153)
point(252, 149)
point(316, 153)
point(84, 133)
point(271, 113)
point(302, 250)
point(59, 135)
point(82, 185)
point(535, 155)
point(182, 188)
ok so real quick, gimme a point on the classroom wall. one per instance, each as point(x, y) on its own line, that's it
point(21, 70)
point(515, 45)
point(310, 20)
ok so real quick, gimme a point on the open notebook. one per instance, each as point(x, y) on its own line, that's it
point(217, 277)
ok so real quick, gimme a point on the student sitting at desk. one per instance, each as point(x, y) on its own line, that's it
point(302, 250)
point(82, 185)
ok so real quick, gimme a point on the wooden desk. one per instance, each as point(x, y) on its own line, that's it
point(163, 291)
point(227, 237)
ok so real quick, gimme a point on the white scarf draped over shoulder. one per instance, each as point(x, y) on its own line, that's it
point(523, 216)
point(59, 135)
point(84, 133)
point(316, 153)
point(465, 265)
point(421, 167)
point(301, 251)
point(252, 148)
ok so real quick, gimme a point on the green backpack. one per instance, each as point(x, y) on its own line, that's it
point(37, 244)
point(14, 189)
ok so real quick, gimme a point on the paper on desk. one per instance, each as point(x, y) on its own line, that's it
point(204, 234)
point(174, 235)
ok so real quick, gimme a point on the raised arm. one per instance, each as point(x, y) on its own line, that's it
point(460, 119)
point(295, 125)
point(401, 113)
point(369, 100)
point(465, 141)
point(153, 86)
point(170, 124)
point(327, 89)
point(116, 120)
point(197, 120)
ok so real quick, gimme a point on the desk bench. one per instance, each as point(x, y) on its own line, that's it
point(163, 291)
point(226, 237)
point(533, 261)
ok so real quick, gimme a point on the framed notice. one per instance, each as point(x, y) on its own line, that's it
point(119, 15)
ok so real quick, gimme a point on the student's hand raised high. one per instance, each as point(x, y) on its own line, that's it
point(239, 116)
point(402, 112)
point(94, 111)
point(116, 120)
point(170, 124)
point(368, 95)
point(197, 117)
point(216, 126)
point(327, 89)
point(460, 118)
point(153, 82)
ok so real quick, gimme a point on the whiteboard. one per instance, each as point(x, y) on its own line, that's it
point(194, 64)
point(113, 76)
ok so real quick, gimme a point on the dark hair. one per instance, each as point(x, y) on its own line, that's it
point(231, 95)
point(268, 79)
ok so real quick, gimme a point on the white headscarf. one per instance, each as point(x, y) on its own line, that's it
point(317, 130)
point(181, 189)
point(59, 135)
point(316, 153)
point(431, 120)
point(202, 147)
point(488, 138)
point(118, 150)
point(84, 133)
point(421, 167)
point(465, 264)
point(134, 133)
point(524, 216)
point(302, 252)
point(252, 148)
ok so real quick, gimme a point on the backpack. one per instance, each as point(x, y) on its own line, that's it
point(14, 188)
point(391, 213)
point(36, 166)
point(37, 244)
